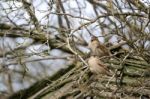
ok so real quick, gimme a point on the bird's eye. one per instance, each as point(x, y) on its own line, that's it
point(92, 39)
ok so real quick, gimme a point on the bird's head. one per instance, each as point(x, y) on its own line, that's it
point(94, 38)
point(94, 41)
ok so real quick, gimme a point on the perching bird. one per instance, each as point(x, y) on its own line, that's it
point(97, 48)
point(97, 66)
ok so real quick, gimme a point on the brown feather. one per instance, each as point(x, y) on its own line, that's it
point(97, 48)
point(97, 66)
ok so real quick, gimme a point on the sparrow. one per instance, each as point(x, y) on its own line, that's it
point(97, 48)
point(96, 66)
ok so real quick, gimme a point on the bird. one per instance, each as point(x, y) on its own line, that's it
point(96, 66)
point(97, 48)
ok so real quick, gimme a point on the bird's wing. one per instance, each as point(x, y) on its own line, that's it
point(100, 63)
point(104, 49)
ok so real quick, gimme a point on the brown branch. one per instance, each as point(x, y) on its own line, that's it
point(30, 10)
